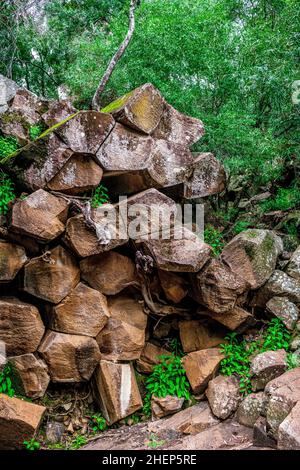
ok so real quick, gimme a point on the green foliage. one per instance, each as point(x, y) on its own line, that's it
point(214, 238)
point(293, 360)
point(240, 226)
point(6, 381)
point(100, 196)
point(276, 336)
point(8, 145)
point(285, 199)
point(175, 347)
point(98, 423)
point(154, 442)
point(32, 444)
point(78, 442)
point(35, 131)
point(7, 193)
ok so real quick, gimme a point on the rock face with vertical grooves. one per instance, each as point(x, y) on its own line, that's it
point(32, 375)
point(12, 259)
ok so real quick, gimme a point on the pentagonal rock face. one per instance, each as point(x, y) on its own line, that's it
point(70, 358)
point(165, 406)
point(250, 409)
point(78, 175)
point(150, 357)
point(52, 276)
point(12, 259)
point(175, 287)
point(238, 319)
point(182, 251)
point(217, 287)
point(110, 232)
point(201, 367)
point(208, 177)
point(32, 373)
point(266, 367)
point(116, 390)
point(253, 255)
point(196, 335)
point(19, 421)
point(140, 109)
point(109, 272)
point(123, 337)
point(293, 267)
point(40, 215)
point(57, 112)
point(83, 312)
point(86, 131)
point(289, 430)
point(21, 327)
point(279, 284)
point(178, 128)
point(223, 395)
point(285, 310)
point(125, 150)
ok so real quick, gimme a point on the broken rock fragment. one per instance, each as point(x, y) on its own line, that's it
point(201, 367)
point(196, 335)
point(282, 308)
point(278, 285)
point(223, 395)
point(12, 259)
point(208, 177)
point(32, 375)
point(150, 356)
point(168, 405)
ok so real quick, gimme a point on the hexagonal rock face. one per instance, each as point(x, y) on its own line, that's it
point(111, 232)
point(266, 367)
point(116, 390)
point(40, 215)
point(140, 109)
point(123, 337)
point(150, 357)
point(109, 272)
point(223, 395)
point(57, 112)
point(293, 267)
point(282, 308)
point(282, 394)
point(12, 259)
point(196, 335)
point(86, 131)
point(70, 358)
point(279, 284)
point(32, 373)
point(79, 174)
point(178, 128)
point(168, 405)
point(19, 421)
point(238, 319)
point(208, 177)
point(182, 252)
point(253, 254)
point(52, 276)
point(250, 409)
point(201, 367)
point(289, 430)
point(21, 327)
point(83, 312)
point(217, 287)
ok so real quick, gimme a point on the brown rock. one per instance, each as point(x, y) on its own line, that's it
point(109, 272)
point(21, 327)
point(79, 174)
point(289, 430)
point(150, 357)
point(208, 177)
point(201, 367)
point(282, 308)
point(267, 366)
point(12, 259)
point(196, 335)
point(175, 287)
point(116, 390)
point(252, 255)
point(52, 276)
point(168, 405)
point(293, 267)
point(223, 394)
point(279, 284)
point(237, 319)
point(250, 409)
point(217, 287)
point(123, 337)
point(86, 131)
point(40, 215)
point(70, 358)
point(57, 112)
point(19, 421)
point(83, 312)
point(32, 375)
point(140, 109)
point(261, 437)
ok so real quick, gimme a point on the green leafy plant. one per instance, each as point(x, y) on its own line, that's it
point(213, 237)
point(78, 442)
point(8, 145)
point(35, 131)
point(98, 423)
point(100, 196)
point(32, 444)
point(6, 382)
point(285, 199)
point(154, 442)
point(240, 226)
point(293, 360)
point(176, 347)
point(7, 193)
point(276, 336)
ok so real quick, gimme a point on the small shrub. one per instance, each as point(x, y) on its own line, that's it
point(176, 347)
point(213, 237)
point(7, 193)
point(100, 196)
point(276, 336)
point(32, 444)
point(293, 360)
point(78, 442)
point(285, 199)
point(240, 226)
point(98, 423)
point(154, 442)
point(6, 381)
point(36, 131)
point(8, 145)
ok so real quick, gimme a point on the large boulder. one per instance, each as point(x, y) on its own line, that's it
point(289, 430)
point(116, 391)
point(250, 409)
point(123, 337)
point(282, 308)
point(196, 335)
point(293, 267)
point(279, 284)
point(21, 326)
point(8, 89)
point(223, 394)
point(201, 367)
point(12, 259)
point(70, 358)
point(267, 366)
point(237, 319)
point(57, 112)
point(40, 215)
point(252, 255)
point(19, 421)
point(30, 375)
point(83, 312)
point(52, 276)
point(208, 177)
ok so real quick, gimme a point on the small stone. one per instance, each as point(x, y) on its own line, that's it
point(54, 432)
point(278, 285)
point(293, 267)
point(150, 357)
point(282, 308)
point(196, 335)
point(201, 367)
point(168, 405)
point(289, 430)
point(250, 409)
point(266, 367)
point(223, 395)
point(260, 435)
